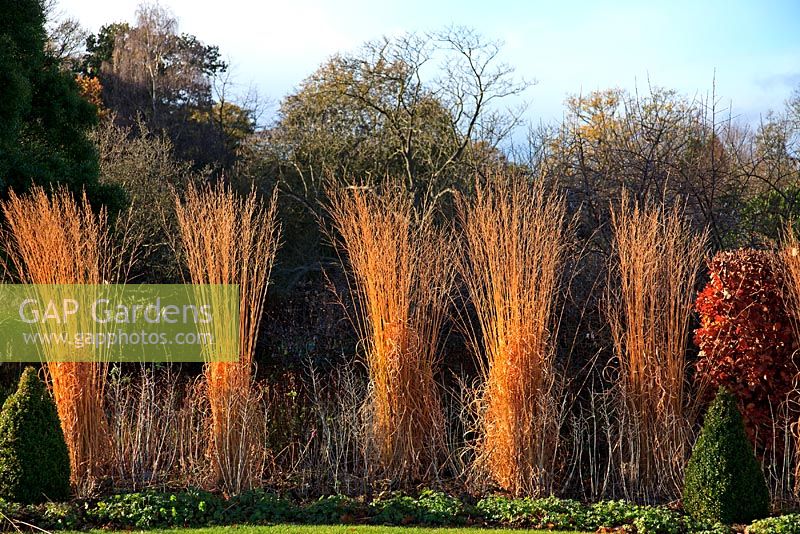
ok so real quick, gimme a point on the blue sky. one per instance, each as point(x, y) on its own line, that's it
point(751, 48)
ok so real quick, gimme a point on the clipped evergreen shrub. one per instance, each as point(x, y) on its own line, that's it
point(34, 461)
point(724, 482)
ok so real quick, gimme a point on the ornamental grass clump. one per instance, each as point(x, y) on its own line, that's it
point(790, 271)
point(402, 272)
point(656, 258)
point(226, 240)
point(57, 239)
point(516, 238)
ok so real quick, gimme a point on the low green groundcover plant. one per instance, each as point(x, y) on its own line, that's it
point(430, 508)
point(285, 528)
point(554, 513)
point(194, 508)
point(149, 510)
point(785, 524)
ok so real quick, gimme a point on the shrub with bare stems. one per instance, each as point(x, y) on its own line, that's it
point(403, 270)
point(332, 457)
point(656, 258)
point(58, 240)
point(516, 237)
point(228, 239)
point(159, 425)
point(156, 425)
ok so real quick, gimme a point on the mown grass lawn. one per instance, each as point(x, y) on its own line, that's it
point(338, 529)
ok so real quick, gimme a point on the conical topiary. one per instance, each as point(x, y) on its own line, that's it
point(34, 460)
point(724, 482)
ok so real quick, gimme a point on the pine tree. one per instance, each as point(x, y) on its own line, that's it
point(44, 118)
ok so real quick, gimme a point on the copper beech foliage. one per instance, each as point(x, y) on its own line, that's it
point(745, 337)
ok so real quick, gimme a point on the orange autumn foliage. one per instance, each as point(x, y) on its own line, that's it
point(92, 91)
point(745, 337)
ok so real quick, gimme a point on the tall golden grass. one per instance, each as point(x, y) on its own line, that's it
point(516, 238)
point(56, 240)
point(228, 239)
point(403, 272)
point(656, 258)
point(790, 259)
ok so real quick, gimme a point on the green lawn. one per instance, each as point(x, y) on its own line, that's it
point(339, 529)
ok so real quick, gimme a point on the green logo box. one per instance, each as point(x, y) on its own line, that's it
point(119, 323)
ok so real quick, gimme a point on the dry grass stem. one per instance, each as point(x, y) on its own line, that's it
point(656, 260)
point(516, 237)
point(231, 240)
point(56, 240)
point(403, 271)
